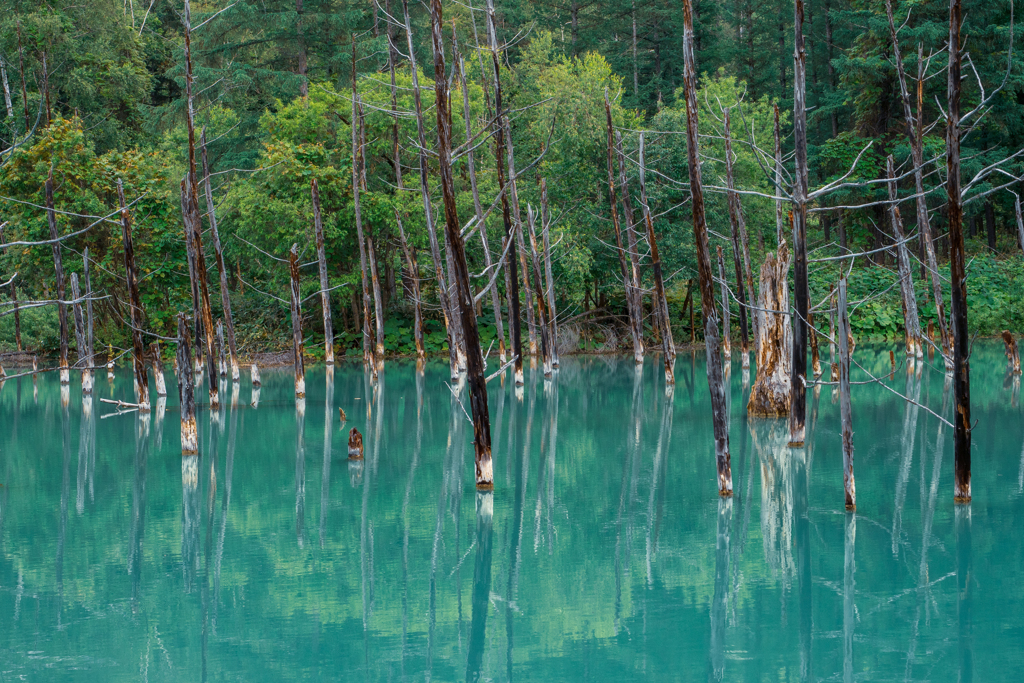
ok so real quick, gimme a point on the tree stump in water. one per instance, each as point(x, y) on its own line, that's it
point(158, 369)
point(771, 392)
point(254, 371)
point(355, 445)
point(1011, 352)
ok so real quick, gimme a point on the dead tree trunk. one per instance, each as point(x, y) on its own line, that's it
point(912, 324)
point(186, 390)
point(779, 215)
point(410, 257)
point(357, 157)
point(378, 303)
point(158, 369)
point(634, 255)
point(798, 390)
point(135, 304)
point(17, 316)
point(325, 284)
point(80, 340)
point(193, 279)
point(481, 221)
point(957, 266)
point(511, 274)
point(62, 309)
point(726, 337)
point(222, 361)
point(464, 291)
point(531, 322)
point(628, 274)
point(296, 307)
point(552, 314)
point(739, 238)
point(770, 395)
point(716, 384)
point(545, 342)
point(661, 301)
point(89, 337)
point(7, 89)
point(1012, 355)
point(813, 335)
point(845, 409)
point(435, 249)
point(196, 220)
point(225, 296)
point(1018, 214)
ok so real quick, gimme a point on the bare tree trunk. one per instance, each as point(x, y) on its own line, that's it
point(628, 274)
point(357, 158)
point(158, 369)
point(634, 255)
point(481, 221)
point(798, 390)
point(716, 384)
point(325, 284)
point(62, 309)
point(7, 89)
point(435, 249)
point(770, 395)
point(186, 390)
point(225, 296)
point(726, 337)
point(739, 236)
point(779, 216)
point(464, 291)
point(296, 308)
point(531, 321)
point(1018, 214)
point(89, 337)
point(187, 217)
point(80, 341)
point(545, 342)
point(135, 304)
point(660, 300)
point(912, 324)
point(552, 314)
point(958, 273)
point(195, 219)
point(511, 274)
point(813, 336)
point(222, 363)
point(845, 410)
point(378, 303)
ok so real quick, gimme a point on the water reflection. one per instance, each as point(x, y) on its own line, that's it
point(481, 586)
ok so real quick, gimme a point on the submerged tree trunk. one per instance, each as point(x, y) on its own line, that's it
point(58, 266)
point(660, 300)
point(716, 384)
point(135, 304)
point(770, 395)
point(798, 390)
point(325, 283)
point(739, 238)
point(225, 296)
point(912, 324)
point(186, 390)
point(845, 411)
point(464, 291)
point(158, 369)
point(511, 274)
point(1012, 354)
point(957, 266)
point(297, 344)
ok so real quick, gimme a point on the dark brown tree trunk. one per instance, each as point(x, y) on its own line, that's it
point(1012, 354)
point(798, 390)
point(726, 337)
point(225, 295)
point(739, 237)
point(716, 384)
point(296, 309)
point(135, 302)
point(325, 283)
point(62, 309)
point(186, 390)
point(464, 292)
point(512, 275)
point(957, 266)
point(845, 410)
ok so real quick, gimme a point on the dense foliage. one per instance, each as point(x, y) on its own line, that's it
point(97, 93)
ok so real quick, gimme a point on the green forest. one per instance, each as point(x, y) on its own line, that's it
point(96, 92)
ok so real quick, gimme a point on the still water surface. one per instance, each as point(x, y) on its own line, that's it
point(609, 555)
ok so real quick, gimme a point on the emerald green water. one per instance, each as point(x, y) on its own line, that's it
point(609, 555)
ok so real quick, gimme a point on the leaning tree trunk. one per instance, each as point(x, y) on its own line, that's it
point(135, 303)
point(225, 295)
point(435, 249)
point(739, 237)
point(726, 339)
point(957, 267)
point(464, 291)
point(845, 410)
point(628, 274)
point(798, 390)
point(296, 308)
point(770, 395)
point(58, 266)
point(912, 324)
point(716, 384)
point(511, 274)
point(634, 255)
point(668, 345)
point(186, 390)
point(325, 284)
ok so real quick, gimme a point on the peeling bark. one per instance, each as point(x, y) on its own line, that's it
point(186, 390)
point(770, 394)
